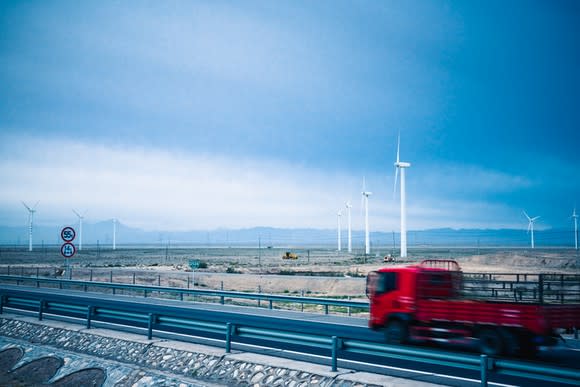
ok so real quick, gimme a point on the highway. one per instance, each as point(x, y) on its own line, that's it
point(303, 333)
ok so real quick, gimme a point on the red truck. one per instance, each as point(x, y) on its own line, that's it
point(428, 302)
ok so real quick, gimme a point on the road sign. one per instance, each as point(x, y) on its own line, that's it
point(68, 234)
point(194, 264)
point(68, 250)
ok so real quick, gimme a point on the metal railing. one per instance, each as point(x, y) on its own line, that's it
point(156, 319)
point(202, 294)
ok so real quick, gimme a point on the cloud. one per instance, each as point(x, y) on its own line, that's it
point(159, 189)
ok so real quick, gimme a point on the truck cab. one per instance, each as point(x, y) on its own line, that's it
point(393, 293)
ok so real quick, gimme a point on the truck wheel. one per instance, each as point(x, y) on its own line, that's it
point(396, 332)
point(527, 347)
point(490, 342)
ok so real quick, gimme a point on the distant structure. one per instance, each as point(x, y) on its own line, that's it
point(400, 165)
point(31, 212)
point(114, 233)
point(81, 217)
point(575, 218)
point(339, 214)
point(365, 198)
point(531, 226)
point(348, 207)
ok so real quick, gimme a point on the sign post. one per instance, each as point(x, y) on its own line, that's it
point(67, 250)
point(194, 264)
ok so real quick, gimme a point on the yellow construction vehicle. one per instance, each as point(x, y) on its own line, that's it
point(289, 255)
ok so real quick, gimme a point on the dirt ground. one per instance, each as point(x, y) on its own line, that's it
point(316, 272)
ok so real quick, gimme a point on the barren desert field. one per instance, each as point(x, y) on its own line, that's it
point(316, 271)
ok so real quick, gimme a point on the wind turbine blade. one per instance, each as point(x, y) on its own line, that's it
point(28, 208)
point(398, 145)
point(527, 216)
point(36, 204)
point(77, 214)
point(534, 219)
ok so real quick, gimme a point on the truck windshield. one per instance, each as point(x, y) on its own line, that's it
point(380, 283)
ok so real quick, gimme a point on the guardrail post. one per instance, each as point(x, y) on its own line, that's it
point(259, 299)
point(483, 367)
point(91, 275)
point(180, 296)
point(270, 304)
point(2, 301)
point(349, 311)
point(37, 271)
point(325, 308)
point(150, 326)
point(133, 278)
point(159, 280)
point(111, 277)
point(334, 354)
point(40, 310)
point(89, 316)
point(228, 337)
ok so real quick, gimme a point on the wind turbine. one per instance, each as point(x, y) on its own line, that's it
point(339, 214)
point(365, 197)
point(400, 165)
point(348, 207)
point(531, 225)
point(114, 233)
point(31, 212)
point(575, 217)
point(81, 217)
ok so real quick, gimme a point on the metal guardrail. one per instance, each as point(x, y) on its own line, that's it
point(156, 319)
point(221, 294)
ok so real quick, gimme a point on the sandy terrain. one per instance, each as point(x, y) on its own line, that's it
point(317, 272)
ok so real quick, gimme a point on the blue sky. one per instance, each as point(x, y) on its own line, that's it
point(197, 115)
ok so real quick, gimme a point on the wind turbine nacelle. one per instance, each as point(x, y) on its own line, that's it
point(367, 194)
point(402, 164)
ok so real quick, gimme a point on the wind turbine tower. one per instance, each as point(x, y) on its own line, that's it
point(401, 165)
point(365, 197)
point(348, 207)
point(81, 217)
point(31, 212)
point(531, 226)
point(339, 214)
point(114, 233)
point(575, 217)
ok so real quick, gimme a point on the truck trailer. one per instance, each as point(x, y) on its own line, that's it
point(431, 301)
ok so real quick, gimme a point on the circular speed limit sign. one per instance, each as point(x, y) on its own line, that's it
point(68, 234)
point(68, 250)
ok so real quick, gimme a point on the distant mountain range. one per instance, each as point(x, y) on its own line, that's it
point(102, 233)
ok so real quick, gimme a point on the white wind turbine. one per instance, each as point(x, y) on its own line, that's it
point(31, 212)
point(81, 217)
point(531, 226)
point(365, 197)
point(339, 214)
point(400, 165)
point(575, 217)
point(348, 207)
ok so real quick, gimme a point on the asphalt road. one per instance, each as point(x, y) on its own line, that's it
point(307, 323)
